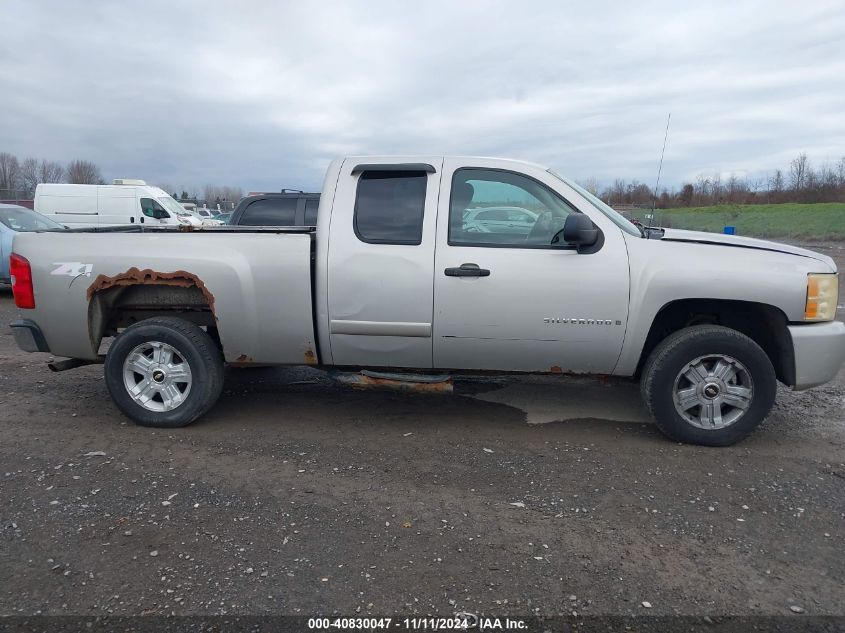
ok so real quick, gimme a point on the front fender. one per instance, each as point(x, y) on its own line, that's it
point(664, 272)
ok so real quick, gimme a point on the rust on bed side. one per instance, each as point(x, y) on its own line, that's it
point(135, 276)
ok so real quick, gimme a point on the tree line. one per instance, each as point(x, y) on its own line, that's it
point(19, 178)
point(800, 182)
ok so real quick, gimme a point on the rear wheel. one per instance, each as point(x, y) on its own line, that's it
point(709, 385)
point(164, 372)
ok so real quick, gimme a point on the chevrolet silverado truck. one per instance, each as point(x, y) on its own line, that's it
point(403, 272)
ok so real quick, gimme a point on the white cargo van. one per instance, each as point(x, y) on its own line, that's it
point(125, 202)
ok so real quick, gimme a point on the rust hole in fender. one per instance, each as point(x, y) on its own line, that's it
point(242, 359)
point(310, 358)
point(556, 369)
point(135, 276)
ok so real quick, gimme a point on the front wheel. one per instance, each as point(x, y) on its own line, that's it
point(164, 372)
point(708, 385)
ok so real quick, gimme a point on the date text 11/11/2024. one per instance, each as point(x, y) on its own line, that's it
point(461, 622)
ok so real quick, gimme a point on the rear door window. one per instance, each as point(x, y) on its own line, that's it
point(389, 207)
point(270, 212)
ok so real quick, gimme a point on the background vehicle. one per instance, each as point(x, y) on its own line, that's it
point(508, 220)
point(393, 276)
point(277, 209)
point(14, 219)
point(126, 202)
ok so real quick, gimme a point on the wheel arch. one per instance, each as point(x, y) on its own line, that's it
point(765, 324)
point(120, 301)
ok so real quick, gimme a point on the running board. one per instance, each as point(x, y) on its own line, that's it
point(420, 383)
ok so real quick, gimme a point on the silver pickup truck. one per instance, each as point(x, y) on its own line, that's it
point(450, 264)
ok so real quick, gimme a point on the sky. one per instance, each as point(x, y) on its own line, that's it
point(263, 95)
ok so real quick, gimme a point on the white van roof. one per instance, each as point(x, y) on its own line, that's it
point(128, 181)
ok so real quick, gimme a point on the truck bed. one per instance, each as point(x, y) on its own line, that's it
point(230, 278)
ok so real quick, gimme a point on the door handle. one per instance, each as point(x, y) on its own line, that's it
point(467, 270)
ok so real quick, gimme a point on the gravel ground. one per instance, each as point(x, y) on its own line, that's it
point(297, 496)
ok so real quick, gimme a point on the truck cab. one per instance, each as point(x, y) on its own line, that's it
point(452, 295)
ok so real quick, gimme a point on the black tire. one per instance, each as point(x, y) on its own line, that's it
point(683, 347)
point(193, 345)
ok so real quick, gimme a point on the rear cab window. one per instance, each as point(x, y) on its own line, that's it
point(270, 212)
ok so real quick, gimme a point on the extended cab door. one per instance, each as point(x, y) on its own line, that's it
point(381, 262)
point(505, 298)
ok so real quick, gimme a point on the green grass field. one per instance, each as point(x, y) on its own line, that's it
point(812, 221)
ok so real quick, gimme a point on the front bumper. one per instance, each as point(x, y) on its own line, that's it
point(29, 336)
point(819, 352)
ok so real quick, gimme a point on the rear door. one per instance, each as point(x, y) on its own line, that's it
point(381, 262)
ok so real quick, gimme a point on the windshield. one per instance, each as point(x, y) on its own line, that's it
point(613, 215)
point(174, 207)
point(21, 219)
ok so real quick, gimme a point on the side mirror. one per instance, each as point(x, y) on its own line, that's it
point(580, 231)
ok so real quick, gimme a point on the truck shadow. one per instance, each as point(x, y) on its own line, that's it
point(304, 398)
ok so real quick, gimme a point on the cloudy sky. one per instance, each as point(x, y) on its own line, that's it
point(264, 94)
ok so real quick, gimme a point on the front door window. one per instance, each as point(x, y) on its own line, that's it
point(491, 207)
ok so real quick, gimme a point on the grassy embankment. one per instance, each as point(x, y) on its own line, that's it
point(812, 221)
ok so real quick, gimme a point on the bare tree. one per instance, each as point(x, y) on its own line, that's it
point(29, 176)
point(10, 173)
point(34, 173)
point(777, 183)
point(50, 171)
point(798, 169)
point(83, 172)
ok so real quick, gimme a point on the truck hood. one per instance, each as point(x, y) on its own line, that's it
point(718, 239)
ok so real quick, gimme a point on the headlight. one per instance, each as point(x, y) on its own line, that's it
point(822, 295)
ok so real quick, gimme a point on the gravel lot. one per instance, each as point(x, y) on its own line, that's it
point(298, 496)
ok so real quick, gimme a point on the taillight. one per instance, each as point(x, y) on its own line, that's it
point(21, 275)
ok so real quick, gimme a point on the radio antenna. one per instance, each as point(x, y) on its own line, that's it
point(660, 168)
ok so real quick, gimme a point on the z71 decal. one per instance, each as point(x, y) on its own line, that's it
point(72, 269)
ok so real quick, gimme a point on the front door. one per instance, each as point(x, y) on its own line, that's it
point(381, 263)
point(505, 298)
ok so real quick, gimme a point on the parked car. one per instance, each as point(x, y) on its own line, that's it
point(508, 220)
point(224, 217)
point(277, 209)
point(393, 277)
point(125, 202)
point(15, 219)
point(207, 216)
